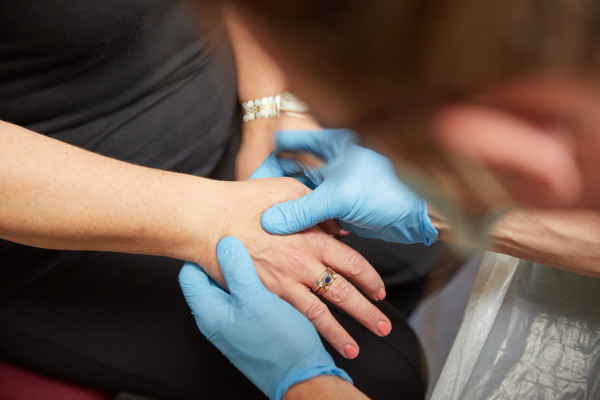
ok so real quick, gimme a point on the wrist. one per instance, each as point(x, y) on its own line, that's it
point(323, 387)
point(274, 106)
point(331, 373)
point(258, 141)
point(206, 210)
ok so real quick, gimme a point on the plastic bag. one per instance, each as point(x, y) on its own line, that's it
point(529, 332)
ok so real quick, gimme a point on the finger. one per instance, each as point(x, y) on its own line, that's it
point(192, 275)
point(295, 168)
point(354, 267)
point(345, 295)
point(348, 298)
point(325, 144)
point(269, 168)
point(320, 316)
point(310, 160)
point(343, 232)
point(330, 227)
point(237, 267)
point(299, 214)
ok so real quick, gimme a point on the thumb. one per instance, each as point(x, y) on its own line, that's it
point(299, 214)
point(198, 289)
point(311, 177)
point(326, 144)
point(237, 266)
point(270, 168)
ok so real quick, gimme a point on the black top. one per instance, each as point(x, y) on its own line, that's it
point(131, 79)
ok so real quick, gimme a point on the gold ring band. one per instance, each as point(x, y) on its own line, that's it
point(324, 281)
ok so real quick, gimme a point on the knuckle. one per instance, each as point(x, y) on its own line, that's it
point(292, 259)
point(372, 313)
point(275, 288)
point(356, 265)
point(340, 292)
point(314, 236)
point(315, 310)
point(334, 336)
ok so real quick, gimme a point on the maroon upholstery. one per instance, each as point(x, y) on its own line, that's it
point(19, 384)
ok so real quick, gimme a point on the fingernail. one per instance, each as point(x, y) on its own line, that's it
point(350, 351)
point(384, 327)
point(381, 294)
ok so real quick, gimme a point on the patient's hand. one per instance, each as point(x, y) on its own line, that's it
point(289, 266)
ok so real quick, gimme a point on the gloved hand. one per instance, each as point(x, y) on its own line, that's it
point(357, 186)
point(268, 340)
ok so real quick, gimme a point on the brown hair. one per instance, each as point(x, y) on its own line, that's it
point(405, 58)
point(415, 55)
point(424, 51)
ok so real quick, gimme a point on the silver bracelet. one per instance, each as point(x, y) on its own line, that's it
point(272, 107)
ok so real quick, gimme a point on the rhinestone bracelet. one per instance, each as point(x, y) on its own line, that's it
point(273, 106)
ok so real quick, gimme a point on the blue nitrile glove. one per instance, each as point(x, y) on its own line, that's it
point(267, 339)
point(356, 186)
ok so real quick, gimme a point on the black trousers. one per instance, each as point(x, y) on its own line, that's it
point(120, 322)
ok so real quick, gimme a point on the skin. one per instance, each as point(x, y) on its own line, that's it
point(324, 387)
point(267, 79)
point(57, 196)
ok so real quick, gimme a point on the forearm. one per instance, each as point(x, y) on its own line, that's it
point(324, 387)
point(54, 195)
point(565, 239)
point(258, 76)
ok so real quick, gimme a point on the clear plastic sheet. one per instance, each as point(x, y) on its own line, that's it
point(529, 332)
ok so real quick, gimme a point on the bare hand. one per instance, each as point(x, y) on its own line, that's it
point(290, 265)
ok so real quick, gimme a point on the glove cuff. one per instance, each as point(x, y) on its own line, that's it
point(428, 233)
point(305, 375)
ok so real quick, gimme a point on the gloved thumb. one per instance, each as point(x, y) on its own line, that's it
point(270, 168)
point(192, 276)
point(237, 266)
point(326, 144)
point(203, 296)
point(299, 214)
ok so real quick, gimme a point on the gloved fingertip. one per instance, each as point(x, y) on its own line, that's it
point(231, 252)
point(290, 166)
point(228, 244)
point(275, 221)
point(269, 168)
point(192, 277)
point(191, 272)
point(237, 265)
